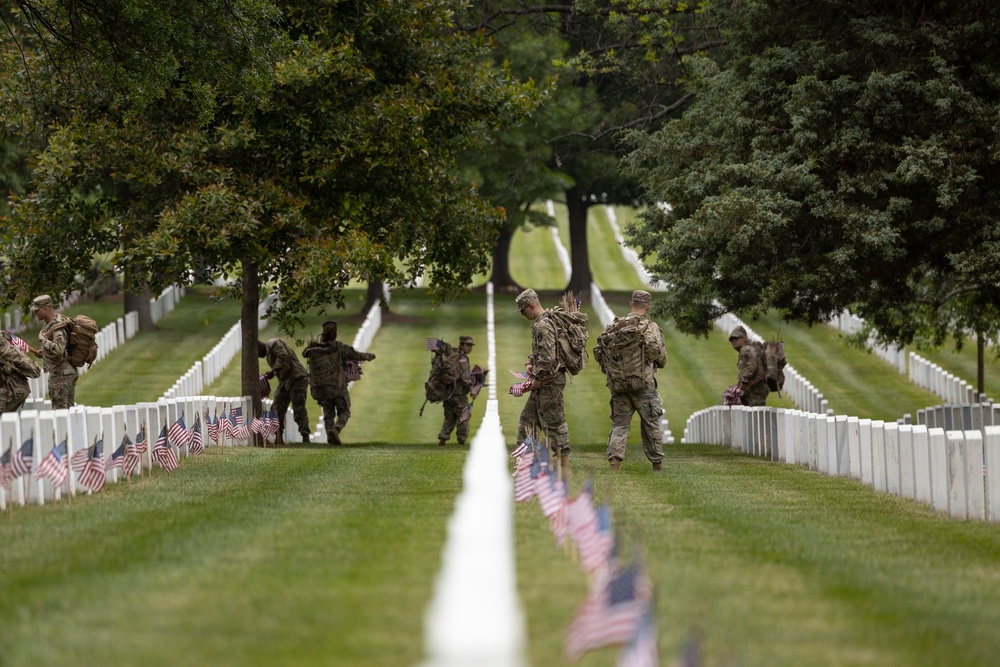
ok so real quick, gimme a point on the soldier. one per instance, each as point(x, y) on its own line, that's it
point(544, 408)
point(293, 380)
point(15, 369)
point(456, 406)
point(327, 359)
point(749, 368)
point(631, 379)
point(53, 339)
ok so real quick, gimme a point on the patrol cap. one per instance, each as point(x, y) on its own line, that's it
point(526, 298)
point(40, 302)
point(641, 296)
point(462, 340)
point(738, 332)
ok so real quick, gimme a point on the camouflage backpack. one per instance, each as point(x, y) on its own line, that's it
point(445, 370)
point(571, 333)
point(772, 353)
point(620, 353)
point(81, 348)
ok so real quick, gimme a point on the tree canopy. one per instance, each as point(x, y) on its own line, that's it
point(845, 156)
point(315, 141)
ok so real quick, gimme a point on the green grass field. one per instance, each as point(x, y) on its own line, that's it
point(314, 555)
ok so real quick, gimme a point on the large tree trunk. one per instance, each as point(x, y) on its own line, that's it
point(250, 376)
point(139, 302)
point(373, 296)
point(501, 278)
point(580, 279)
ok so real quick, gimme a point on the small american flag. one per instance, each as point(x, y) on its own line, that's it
point(257, 425)
point(519, 388)
point(242, 429)
point(598, 548)
point(178, 432)
point(431, 344)
point(92, 476)
point(53, 465)
point(140, 441)
point(79, 459)
point(5, 476)
point(521, 449)
point(195, 440)
point(352, 370)
point(466, 413)
point(228, 424)
point(611, 612)
point(275, 424)
point(551, 492)
point(19, 344)
point(524, 488)
point(131, 456)
point(24, 459)
point(163, 453)
point(213, 427)
point(117, 457)
point(642, 650)
point(265, 386)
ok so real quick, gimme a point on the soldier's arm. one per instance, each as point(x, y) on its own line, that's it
point(56, 341)
point(348, 353)
point(655, 349)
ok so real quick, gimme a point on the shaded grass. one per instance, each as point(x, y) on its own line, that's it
point(252, 557)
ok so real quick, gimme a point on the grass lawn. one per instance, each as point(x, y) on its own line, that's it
point(964, 365)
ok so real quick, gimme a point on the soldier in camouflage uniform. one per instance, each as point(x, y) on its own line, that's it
point(647, 401)
point(326, 359)
point(15, 369)
point(293, 380)
point(457, 403)
point(53, 339)
point(544, 408)
point(749, 368)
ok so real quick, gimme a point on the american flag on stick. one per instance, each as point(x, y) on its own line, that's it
point(431, 344)
point(257, 425)
point(352, 370)
point(611, 612)
point(213, 427)
point(131, 459)
point(23, 459)
point(265, 386)
point(524, 487)
point(178, 432)
point(163, 453)
point(5, 476)
point(195, 436)
point(20, 344)
point(92, 475)
point(242, 430)
point(518, 389)
point(117, 459)
point(642, 651)
point(228, 425)
point(140, 441)
point(53, 465)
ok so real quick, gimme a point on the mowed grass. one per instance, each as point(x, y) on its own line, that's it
point(248, 557)
point(965, 365)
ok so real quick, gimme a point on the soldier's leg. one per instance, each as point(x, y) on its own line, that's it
point(280, 407)
point(552, 418)
point(343, 410)
point(59, 392)
point(621, 419)
point(527, 423)
point(6, 399)
point(297, 394)
point(450, 418)
point(71, 383)
point(462, 430)
point(16, 398)
point(650, 410)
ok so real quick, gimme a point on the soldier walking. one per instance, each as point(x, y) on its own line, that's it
point(293, 380)
point(327, 359)
point(457, 413)
point(750, 369)
point(53, 339)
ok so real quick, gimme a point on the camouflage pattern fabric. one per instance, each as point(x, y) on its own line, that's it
point(649, 405)
point(455, 404)
point(336, 412)
point(750, 371)
point(293, 392)
point(15, 369)
point(62, 375)
point(326, 367)
point(545, 412)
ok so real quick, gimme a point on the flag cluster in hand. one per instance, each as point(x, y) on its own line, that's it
point(431, 344)
point(618, 608)
point(521, 387)
point(20, 344)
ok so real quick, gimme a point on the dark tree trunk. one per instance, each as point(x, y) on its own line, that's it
point(373, 296)
point(580, 279)
point(250, 376)
point(501, 278)
point(139, 302)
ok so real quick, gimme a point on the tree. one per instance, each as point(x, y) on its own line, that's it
point(336, 164)
point(845, 157)
point(607, 66)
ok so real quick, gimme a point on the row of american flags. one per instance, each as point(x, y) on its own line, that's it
point(92, 467)
point(618, 608)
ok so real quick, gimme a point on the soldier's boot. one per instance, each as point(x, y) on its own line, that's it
point(441, 442)
point(658, 466)
point(333, 437)
point(616, 463)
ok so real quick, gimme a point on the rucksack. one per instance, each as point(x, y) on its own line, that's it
point(772, 353)
point(620, 353)
point(445, 370)
point(81, 347)
point(571, 339)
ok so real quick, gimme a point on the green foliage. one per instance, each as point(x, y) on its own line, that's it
point(335, 170)
point(844, 158)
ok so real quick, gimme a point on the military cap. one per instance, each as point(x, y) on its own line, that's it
point(738, 332)
point(641, 296)
point(329, 324)
point(462, 340)
point(526, 298)
point(40, 302)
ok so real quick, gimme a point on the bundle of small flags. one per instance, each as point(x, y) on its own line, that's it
point(352, 370)
point(265, 386)
point(519, 388)
point(431, 344)
point(20, 344)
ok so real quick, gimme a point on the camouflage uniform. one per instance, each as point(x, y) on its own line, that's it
point(544, 408)
point(53, 338)
point(15, 369)
point(293, 380)
point(458, 401)
point(750, 370)
point(329, 382)
point(646, 402)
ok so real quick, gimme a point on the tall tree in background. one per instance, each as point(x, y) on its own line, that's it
point(609, 66)
point(844, 158)
point(325, 154)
